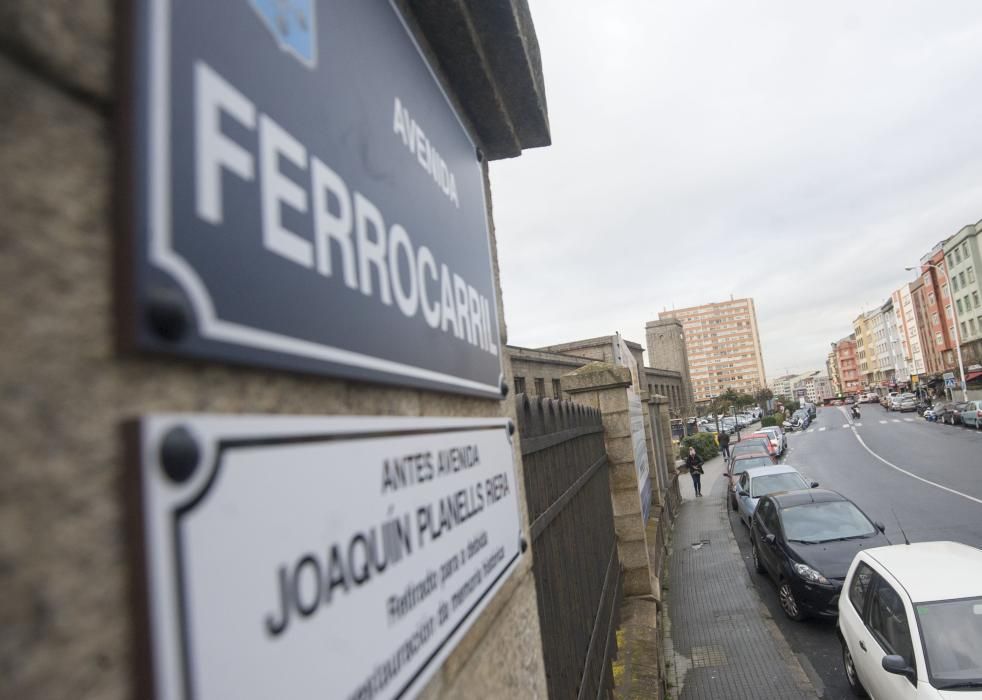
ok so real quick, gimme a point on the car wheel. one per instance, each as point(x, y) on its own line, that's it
point(855, 685)
point(758, 566)
point(789, 604)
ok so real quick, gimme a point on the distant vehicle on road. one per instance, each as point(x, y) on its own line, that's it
point(758, 482)
point(910, 622)
point(805, 541)
point(971, 414)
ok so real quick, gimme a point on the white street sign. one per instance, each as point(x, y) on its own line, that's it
point(296, 557)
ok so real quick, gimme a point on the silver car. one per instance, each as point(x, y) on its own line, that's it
point(762, 481)
point(777, 438)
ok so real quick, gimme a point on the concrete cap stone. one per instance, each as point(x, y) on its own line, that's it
point(596, 375)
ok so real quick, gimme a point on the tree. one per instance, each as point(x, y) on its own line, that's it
point(763, 396)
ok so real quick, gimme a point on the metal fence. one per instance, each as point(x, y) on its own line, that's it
point(577, 571)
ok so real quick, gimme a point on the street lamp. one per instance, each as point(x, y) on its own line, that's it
point(958, 340)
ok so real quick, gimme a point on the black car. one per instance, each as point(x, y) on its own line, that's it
point(805, 541)
point(951, 413)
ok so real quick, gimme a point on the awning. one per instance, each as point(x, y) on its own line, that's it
point(973, 375)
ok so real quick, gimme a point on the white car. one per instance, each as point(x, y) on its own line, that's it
point(757, 482)
point(777, 438)
point(910, 622)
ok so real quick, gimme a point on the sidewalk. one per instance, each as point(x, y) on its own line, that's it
point(720, 641)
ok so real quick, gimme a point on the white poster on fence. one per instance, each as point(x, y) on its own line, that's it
point(636, 412)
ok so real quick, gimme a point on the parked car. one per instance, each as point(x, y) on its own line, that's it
point(907, 404)
point(803, 417)
point(757, 482)
point(951, 413)
point(761, 440)
point(971, 414)
point(910, 622)
point(777, 438)
point(805, 541)
point(741, 463)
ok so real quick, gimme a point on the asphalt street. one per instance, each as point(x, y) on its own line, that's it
point(902, 471)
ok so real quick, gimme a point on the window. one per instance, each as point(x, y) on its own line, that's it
point(964, 331)
point(859, 586)
point(931, 299)
point(947, 310)
point(887, 620)
point(954, 283)
point(934, 319)
point(557, 390)
point(971, 325)
point(965, 249)
point(958, 255)
point(960, 309)
point(975, 299)
point(961, 278)
point(971, 274)
point(944, 290)
point(938, 339)
point(519, 385)
point(540, 386)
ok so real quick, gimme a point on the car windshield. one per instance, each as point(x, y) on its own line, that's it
point(823, 522)
point(952, 633)
point(742, 465)
point(773, 483)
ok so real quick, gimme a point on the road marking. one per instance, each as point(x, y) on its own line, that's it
point(859, 425)
point(811, 430)
point(845, 425)
point(908, 420)
point(821, 429)
point(915, 476)
point(896, 420)
point(883, 422)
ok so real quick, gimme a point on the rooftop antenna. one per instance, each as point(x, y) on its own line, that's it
point(906, 541)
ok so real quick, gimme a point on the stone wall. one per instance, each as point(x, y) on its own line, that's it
point(67, 629)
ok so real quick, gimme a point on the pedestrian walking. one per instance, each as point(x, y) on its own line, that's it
point(724, 444)
point(694, 463)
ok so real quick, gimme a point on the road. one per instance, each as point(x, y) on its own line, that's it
point(938, 498)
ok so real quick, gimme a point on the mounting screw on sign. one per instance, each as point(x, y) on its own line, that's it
point(179, 454)
point(167, 315)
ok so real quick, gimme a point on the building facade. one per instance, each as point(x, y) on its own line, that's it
point(832, 367)
point(539, 371)
point(866, 358)
point(850, 379)
point(665, 340)
point(940, 351)
point(722, 342)
point(964, 264)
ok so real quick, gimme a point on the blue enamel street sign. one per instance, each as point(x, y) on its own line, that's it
point(305, 197)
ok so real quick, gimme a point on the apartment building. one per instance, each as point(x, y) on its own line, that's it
point(850, 380)
point(940, 351)
point(964, 263)
point(866, 359)
point(906, 320)
point(832, 367)
point(722, 342)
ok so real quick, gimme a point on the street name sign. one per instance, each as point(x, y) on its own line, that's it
point(303, 196)
point(298, 557)
point(636, 413)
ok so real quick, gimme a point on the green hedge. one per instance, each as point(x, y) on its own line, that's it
point(705, 444)
point(776, 419)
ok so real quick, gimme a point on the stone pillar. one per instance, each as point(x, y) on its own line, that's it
point(606, 386)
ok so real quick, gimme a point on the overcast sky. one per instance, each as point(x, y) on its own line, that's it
point(800, 153)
